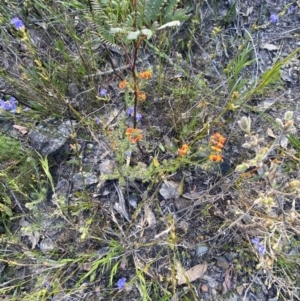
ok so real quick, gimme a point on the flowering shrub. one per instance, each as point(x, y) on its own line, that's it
point(134, 135)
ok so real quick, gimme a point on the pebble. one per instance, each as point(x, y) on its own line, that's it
point(201, 249)
point(222, 263)
point(46, 245)
point(204, 288)
point(107, 167)
point(84, 179)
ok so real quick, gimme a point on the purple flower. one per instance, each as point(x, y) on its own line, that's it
point(4, 105)
point(261, 249)
point(274, 18)
point(258, 246)
point(103, 92)
point(121, 283)
point(9, 105)
point(291, 9)
point(47, 284)
point(255, 240)
point(138, 116)
point(97, 120)
point(13, 104)
point(127, 154)
point(18, 24)
point(130, 111)
point(26, 109)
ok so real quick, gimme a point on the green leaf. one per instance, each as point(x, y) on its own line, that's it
point(8, 211)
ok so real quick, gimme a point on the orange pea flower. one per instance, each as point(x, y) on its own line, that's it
point(216, 149)
point(123, 84)
point(216, 158)
point(222, 140)
point(145, 74)
point(217, 141)
point(183, 150)
point(134, 135)
point(216, 136)
point(141, 96)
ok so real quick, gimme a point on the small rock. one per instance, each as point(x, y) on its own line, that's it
point(48, 137)
point(169, 190)
point(107, 167)
point(204, 288)
point(201, 249)
point(132, 200)
point(240, 289)
point(46, 245)
point(81, 180)
point(182, 203)
point(222, 263)
point(62, 188)
point(211, 282)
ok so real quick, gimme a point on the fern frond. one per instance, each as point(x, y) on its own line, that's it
point(98, 13)
point(177, 15)
point(170, 8)
point(152, 11)
point(100, 23)
point(129, 21)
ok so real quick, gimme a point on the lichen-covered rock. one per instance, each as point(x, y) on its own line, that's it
point(48, 137)
point(82, 180)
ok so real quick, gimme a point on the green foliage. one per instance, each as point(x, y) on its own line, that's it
point(295, 142)
point(10, 149)
point(17, 169)
point(235, 67)
point(230, 15)
point(77, 38)
point(104, 263)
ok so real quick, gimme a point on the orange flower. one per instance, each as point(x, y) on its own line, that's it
point(183, 150)
point(222, 140)
point(216, 158)
point(145, 74)
point(141, 96)
point(216, 136)
point(220, 145)
point(216, 149)
point(217, 140)
point(123, 84)
point(134, 135)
